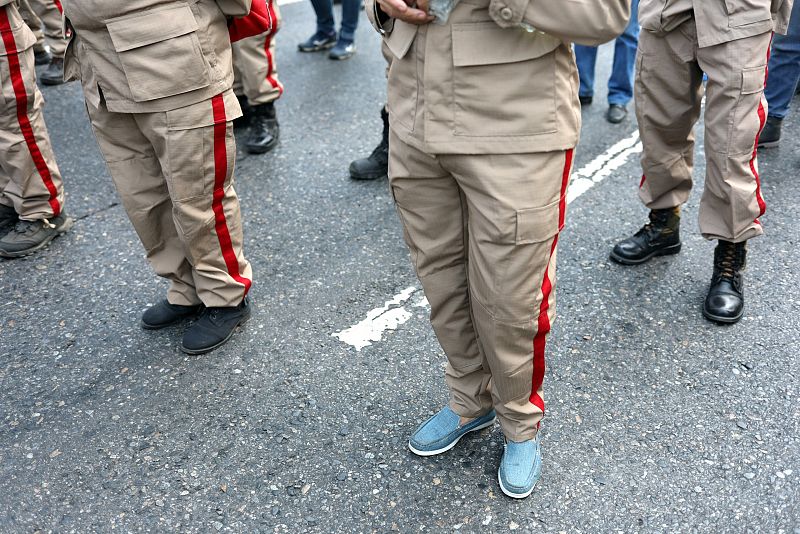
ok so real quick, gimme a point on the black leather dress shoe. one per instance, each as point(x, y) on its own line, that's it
point(214, 328)
point(725, 300)
point(659, 237)
point(616, 113)
point(164, 314)
point(771, 134)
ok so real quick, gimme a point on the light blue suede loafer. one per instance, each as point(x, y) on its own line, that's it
point(520, 468)
point(441, 432)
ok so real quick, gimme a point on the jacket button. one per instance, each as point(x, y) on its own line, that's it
point(506, 13)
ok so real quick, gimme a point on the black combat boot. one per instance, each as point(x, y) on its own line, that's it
point(244, 120)
point(377, 164)
point(771, 134)
point(164, 314)
point(725, 300)
point(264, 129)
point(659, 237)
point(214, 327)
point(54, 73)
point(8, 219)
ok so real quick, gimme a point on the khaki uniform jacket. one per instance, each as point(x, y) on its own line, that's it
point(717, 21)
point(151, 55)
point(483, 84)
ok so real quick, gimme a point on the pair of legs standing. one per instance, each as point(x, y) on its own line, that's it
point(669, 91)
point(620, 84)
point(343, 46)
point(486, 256)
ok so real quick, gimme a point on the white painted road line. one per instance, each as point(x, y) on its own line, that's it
point(392, 314)
point(603, 165)
point(387, 317)
point(286, 2)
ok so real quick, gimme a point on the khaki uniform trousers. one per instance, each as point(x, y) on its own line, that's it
point(668, 94)
point(44, 18)
point(29, 177)
point(254, 67)
point(174, 173)
point(482, 231)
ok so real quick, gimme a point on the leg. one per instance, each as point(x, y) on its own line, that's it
point(586, 58)
point(784, 68)
point(36, 26)
point(49, 11)
point(431, 208)
point(350, 13)
point(512, 256)
point(324, 11)
point(620, 85)
point(254, 62)
point(254, 58)
point(35, 188)
point(735, 113)
point(668, 96)
point(142, 188)
point(195, 152)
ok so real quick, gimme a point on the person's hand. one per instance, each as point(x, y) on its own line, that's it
point(407, 10)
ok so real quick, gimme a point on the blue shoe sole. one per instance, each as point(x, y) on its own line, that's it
point(452, 444)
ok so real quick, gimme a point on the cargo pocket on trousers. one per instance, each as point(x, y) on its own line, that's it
point(160, 52)
point(535, 225)
point(192, 154)
point(749, 115)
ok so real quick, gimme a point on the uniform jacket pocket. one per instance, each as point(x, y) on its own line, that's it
point(743, 12)
point(503, 81)
point(160, 52)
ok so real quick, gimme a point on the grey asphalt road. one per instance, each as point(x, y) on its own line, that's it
point(658, 421)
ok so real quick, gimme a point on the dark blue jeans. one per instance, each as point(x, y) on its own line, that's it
point(326, 24)
point(620, 84)
point(784, 68)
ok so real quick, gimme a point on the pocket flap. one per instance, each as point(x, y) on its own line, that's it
point(753, 80)
point(399, 41)
point(486, 43)
point(535, 225)
point(134, 31)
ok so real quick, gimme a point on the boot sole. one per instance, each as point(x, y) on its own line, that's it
point(64, 228)
point(262, 150)
point(370, 176)
point(453, 443)
point(720, 319)
point(667, 251)
point(204, 350)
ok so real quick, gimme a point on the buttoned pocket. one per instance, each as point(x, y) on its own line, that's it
point(160, 52)
point(503, 81)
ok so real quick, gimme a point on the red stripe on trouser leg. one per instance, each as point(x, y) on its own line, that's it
point(762, 119)
point(543, 323)
point(270, 59)
point(58, 5)
point(21, 96)
point(220, 174)
point(641, 183)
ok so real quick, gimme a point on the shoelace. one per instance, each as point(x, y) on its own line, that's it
point(727, 265)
